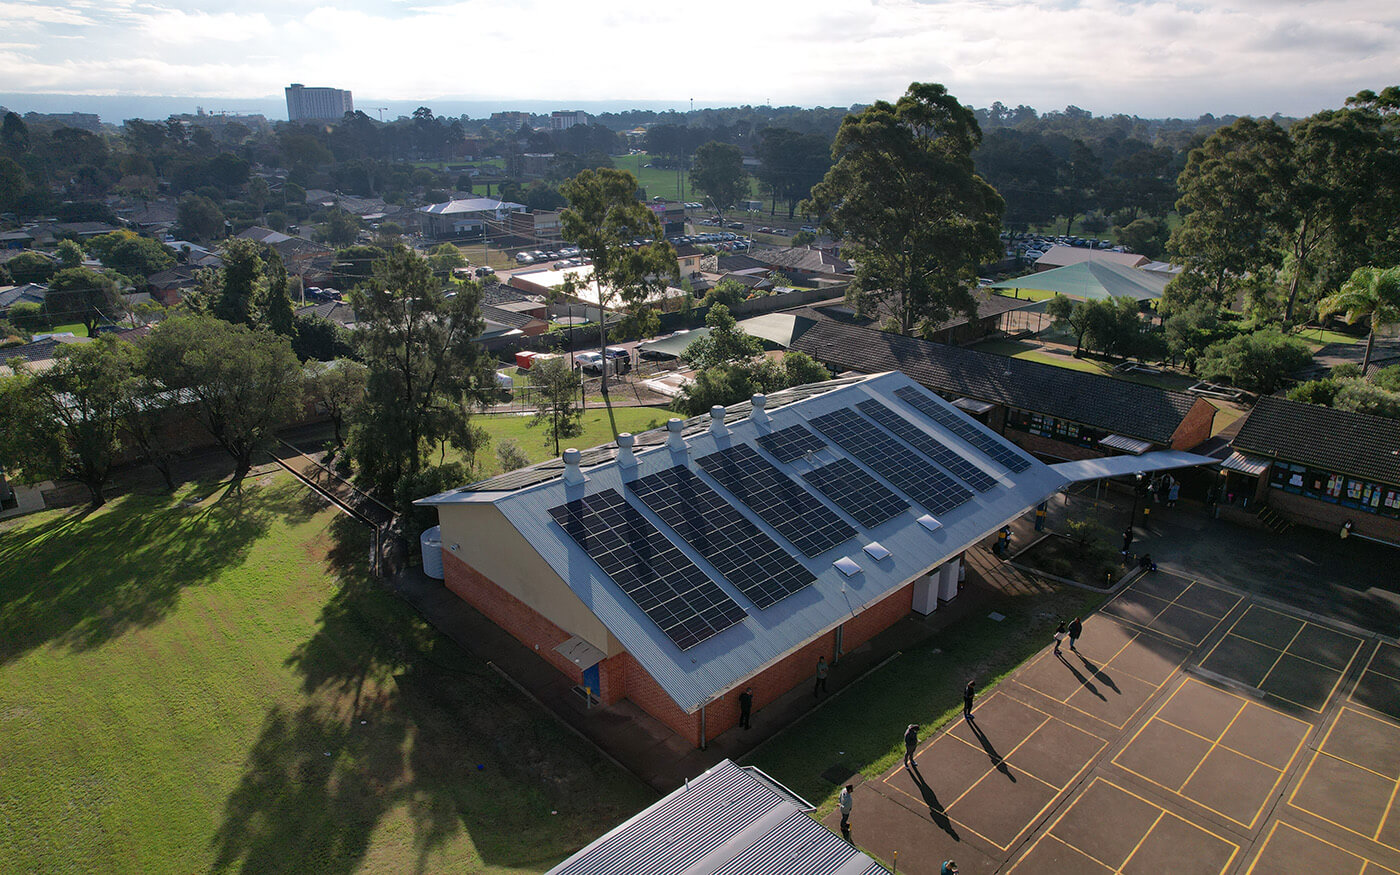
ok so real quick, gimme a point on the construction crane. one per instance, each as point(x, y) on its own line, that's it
point(381, 110)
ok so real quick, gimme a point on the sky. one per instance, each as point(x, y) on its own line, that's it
point(1151, 58)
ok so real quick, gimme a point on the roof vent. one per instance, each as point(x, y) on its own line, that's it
point(625, 441)
point(572, 472)
point(758, 414)
point(847, 565)
point(717, 426)
point(875, 550)
point(674, 440)
point(929, 523)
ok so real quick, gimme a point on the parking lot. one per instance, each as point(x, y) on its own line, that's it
point(1195, 729)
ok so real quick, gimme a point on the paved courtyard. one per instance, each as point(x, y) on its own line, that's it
point(1196, 729)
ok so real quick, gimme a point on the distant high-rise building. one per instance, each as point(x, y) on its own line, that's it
point(317, 104)
point(562, 120)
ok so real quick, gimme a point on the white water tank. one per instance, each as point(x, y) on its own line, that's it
point(431, 543)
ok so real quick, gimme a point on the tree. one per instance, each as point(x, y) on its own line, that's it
point(791, 163)
point(243, 281)
point(603, 217)
point(721, 385)
point(131, 255)
point(1072, 315)
point(1145, 236)
point(243, 383)
point(13, 184)
point(145, 409)
point(917, 219)
point(1232, 203)
point(1257, 361)
point(1370, 293)
point(64, 422)
point(718, 171)
point(556, 386)
point(510, 455)
point(727, 292)
point(355, 265)
point(69, 254)
point(84, 295)
point(337, 386)
point(425, 370)
point(726, 342)
point(31, 267)
point(319, 338)
point(446, 258)
point(1187, 333)
point(200, 217)
point(1115, 326)
point(275, 305)
point(342, 228)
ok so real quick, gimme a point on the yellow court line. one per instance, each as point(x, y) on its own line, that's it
point(1274, 829)
point(1372, 661)
point(1043, 837)
point(1213, 745)
point(1389, 806)
point(1281, 653)
point(1297, 656)
point(1194, 644)
point(1320, 817)
point(1159, 819)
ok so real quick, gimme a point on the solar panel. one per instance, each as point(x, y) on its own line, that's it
point(778, 500)
point(903, 467)
point(927, 444)
point(757, 566)
point(856, 492)
point(991, 447)
point(791, 443)
point(669, 588)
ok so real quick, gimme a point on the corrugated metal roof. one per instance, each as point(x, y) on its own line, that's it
point(725, 822)
point(712, 667)
point(1119, 466)
point(1246, 464)
point(1126, 444)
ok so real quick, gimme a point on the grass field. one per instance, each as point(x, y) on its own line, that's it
point(210, 681)
point(863, 728)
point(596, 430)
point(1091, 365)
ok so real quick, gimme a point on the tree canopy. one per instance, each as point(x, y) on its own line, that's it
point(916, 219)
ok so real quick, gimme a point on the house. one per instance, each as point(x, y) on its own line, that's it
point(514, 318)
point(40, 353)
point(339, 312)
point(540, 226)
point(993, 316)
point(805, 262)
point(28, 293)
point(689, 258)
point(1320, 466)
point(465, 217)
point(609, 562)
point(534, 165)
point(16, 240)
point(1050, 411)
point(1059, 255)
point(170, 285)
point(730, 819)
point(302, 257)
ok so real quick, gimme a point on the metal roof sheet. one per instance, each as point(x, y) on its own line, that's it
point(1119, 466)
point(710, 668)
point(727, 821)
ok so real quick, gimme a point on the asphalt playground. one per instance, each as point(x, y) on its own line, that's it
point(1196, 729)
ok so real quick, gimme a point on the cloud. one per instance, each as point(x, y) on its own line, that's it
point(1150, 57)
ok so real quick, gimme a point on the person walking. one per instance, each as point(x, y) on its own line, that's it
point(821, 677)
point(968, 693)
point(948, 868)
point(911, 741)
point(844, 800)
point(1127, 539)
point(1076, 628)
point(1173, 492)
point(1059, 636)
point(745, 706)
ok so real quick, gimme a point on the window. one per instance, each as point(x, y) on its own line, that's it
point(1352, 492)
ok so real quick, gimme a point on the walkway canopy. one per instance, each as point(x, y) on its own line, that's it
point(1093, 280)
point(1120, 466)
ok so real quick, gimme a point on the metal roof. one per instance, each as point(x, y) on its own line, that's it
point(710, 668)
point(729, 821)
point(1118, 466)
point(1093, 280)
point(1246, 464)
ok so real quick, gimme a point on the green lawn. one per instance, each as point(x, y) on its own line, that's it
point(1046, 355)
point(596, 430)
point(195, 685)
point(1320, 337)
point(863, 728)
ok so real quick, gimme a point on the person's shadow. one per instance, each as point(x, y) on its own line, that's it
point(1083, 681)
point(1098, 673)
point(935, 808)
point(992, 754)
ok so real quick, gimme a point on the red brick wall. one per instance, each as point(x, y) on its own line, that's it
point(1194, 429)
point(509, 612)
point(878, 617)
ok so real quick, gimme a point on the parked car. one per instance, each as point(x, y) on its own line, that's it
point(485, 271)
point(524, 258)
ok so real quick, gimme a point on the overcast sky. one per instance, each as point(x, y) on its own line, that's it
point(1150, 58)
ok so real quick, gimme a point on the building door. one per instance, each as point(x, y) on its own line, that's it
point(590, 680)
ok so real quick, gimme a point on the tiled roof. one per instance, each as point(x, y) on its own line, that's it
point(1101, 402)
point(499, 293)
point(507, 317)
point(1384, 354)
point(28, 292)
point(802, 258)
point(1337, 440)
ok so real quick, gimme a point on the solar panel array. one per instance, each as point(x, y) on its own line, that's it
point(761, 569)
point(668, 587)
point(901, 466)
point(778, 500)
point(927, 444)
point(856, 492)
point(791, 443)
point(992, 448)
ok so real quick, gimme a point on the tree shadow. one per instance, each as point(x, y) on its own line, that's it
point(415, 728)
point(935, 808)
point(1083, 681)
point(991, 750)
point(85, 578)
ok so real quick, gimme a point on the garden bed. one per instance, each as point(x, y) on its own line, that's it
point(1058, 556)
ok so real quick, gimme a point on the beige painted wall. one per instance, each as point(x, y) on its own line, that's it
point(490, 544)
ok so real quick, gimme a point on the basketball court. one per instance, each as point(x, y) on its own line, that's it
point(1194, 730)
